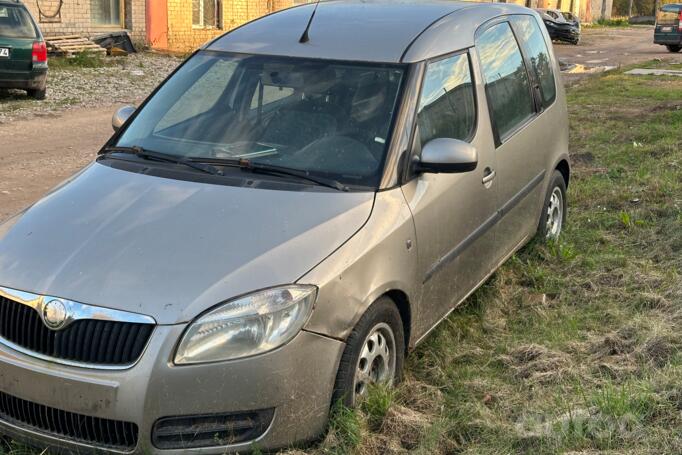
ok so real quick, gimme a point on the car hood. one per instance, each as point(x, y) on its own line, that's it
point(168, 248)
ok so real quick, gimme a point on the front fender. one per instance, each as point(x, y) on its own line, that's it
point(381, 257)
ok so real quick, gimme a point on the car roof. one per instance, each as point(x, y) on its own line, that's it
point(386, 31)
point(672, 6)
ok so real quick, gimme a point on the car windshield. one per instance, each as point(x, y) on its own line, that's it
point(322, 117)
point(15, 23)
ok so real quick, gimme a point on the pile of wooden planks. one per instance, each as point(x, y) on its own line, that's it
point(69, 45)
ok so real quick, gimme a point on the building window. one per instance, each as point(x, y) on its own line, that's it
point(106, 12)
point(207, 13)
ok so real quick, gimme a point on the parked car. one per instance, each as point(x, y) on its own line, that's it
point(668, 31)
point(278, 224)
point(571, 18)
point(23, 53)
point(561, 26)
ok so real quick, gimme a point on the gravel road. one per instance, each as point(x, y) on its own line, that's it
point(121, 80)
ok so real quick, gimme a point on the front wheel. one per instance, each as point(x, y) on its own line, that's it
point(673, 48)
point(374, 353)
point(554, 209)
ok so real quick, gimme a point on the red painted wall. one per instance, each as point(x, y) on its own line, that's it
point(157, 24)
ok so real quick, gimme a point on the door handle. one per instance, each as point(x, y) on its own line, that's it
point(488, 176)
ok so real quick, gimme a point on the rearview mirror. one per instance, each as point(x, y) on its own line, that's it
point(121, 116)
point(447, 156)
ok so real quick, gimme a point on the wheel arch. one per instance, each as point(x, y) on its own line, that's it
point(402, 302)
point(565, 169)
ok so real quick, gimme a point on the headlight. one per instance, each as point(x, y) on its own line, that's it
point(246, 326)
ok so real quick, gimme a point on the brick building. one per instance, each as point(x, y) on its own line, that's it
point(90, 17)
point(184, 25)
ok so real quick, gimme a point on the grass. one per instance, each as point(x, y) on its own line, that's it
point(665, 65)
point(80, 60)
point(572, 347)
point(614, 22)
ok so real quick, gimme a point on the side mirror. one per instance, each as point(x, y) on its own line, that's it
point(120, 116)
point(447, 156)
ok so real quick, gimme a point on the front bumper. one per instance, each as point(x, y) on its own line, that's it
point(295, 380)
point(565, 33)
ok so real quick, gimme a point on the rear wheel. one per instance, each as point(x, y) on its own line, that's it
point(374, 353)
point(554, 209)
point(673, 48)
point(37, 93)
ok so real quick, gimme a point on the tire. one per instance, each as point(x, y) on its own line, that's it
point(383, 315)
point(673, 48)
point(553, 214)
point(37, 93)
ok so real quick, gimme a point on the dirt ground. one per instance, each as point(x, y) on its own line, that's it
point(39, 152)
point(614, 46)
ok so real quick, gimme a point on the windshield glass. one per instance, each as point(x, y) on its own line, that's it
point(322, 117)
point(15, 23)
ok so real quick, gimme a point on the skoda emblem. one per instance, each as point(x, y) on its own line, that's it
point(55, 314)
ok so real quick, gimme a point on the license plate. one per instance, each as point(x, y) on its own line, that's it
point(666, 29)
point(4, 52)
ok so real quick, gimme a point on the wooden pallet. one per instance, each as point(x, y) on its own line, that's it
point(70, 45)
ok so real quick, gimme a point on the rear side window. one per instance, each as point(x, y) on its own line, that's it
point(447, 107)
point(530, 35)
point(15, 23)
point(506, 80)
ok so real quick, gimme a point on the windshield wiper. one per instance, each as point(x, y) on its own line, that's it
point(274, 170)
point(208, 165)
point(165, 157)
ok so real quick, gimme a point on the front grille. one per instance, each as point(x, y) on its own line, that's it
point(213, 430)
point(95, 431)
point(85, 341)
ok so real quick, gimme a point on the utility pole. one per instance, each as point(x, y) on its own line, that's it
point(630, 8)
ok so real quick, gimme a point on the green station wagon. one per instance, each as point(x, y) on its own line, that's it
point(23, 53)
point(669, 27)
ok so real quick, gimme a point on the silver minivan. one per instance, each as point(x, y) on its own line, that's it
point(278, 224)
